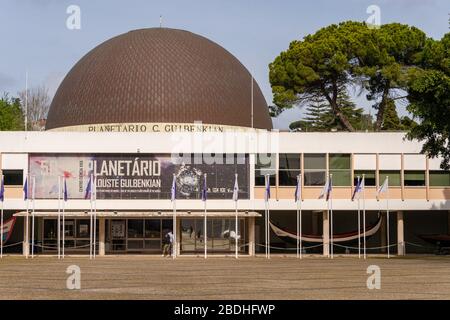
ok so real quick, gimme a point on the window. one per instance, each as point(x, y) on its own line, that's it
point(315, 169)
point(369, 177)
point(83, 228)
point(152, 228)
point(339, 165)
point(440, 178)
point(265, 164)
point(414, 178)
point(135, 228)
point(289, 168)
point(13, 177)
point(394, 177)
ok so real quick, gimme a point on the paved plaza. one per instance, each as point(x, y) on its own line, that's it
point(151, 277)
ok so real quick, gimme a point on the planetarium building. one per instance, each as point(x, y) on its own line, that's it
point(161, 130)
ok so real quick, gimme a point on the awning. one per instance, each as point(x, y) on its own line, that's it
point(139, 214)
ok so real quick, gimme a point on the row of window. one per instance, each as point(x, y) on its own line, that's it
point(315, 172)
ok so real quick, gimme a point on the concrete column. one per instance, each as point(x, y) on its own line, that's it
point(25, 244)
point(251, 236)
point(400, 234)
point(101, 236)
point(326, 233)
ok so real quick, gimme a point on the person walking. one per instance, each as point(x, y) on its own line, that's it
point(168, 244)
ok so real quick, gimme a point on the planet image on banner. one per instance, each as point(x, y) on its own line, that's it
point(188, 180)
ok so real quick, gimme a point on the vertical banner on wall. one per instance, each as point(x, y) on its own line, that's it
point(139, 176)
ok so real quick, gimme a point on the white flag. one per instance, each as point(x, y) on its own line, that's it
point(326, 191)
point(174, 189)
point(236, 188)
point(384, 187)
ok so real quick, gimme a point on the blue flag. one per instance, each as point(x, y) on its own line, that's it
point(358, 188)
point(87, 195)
point(204, 189)
point(267, 193)
point(2, 189)
point(25, 189)
point(65, 190)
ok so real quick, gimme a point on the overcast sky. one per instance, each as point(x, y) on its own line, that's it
point(34, 35)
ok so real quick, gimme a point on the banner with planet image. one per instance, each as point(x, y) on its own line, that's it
point(139, 176)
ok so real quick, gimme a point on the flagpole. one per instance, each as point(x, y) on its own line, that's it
point(266, 207)
point(94, 231)
point(331, 212)
point(1, 228)
point(32, 216)
point(205, 222)
point(298, 230)
point(236, 228)
point(90, 216)
point(236, 216)
point(359, 220)
point(268, 220)
point(174, 226)
point(27, 227)
point(387, 211)
point(301, 229)
point(63, 217)
point(1, 219)
point(364, 215)
point(59, 217)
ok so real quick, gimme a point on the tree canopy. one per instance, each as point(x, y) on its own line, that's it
point(11, 117)
point(327, 63)
point(394, 62)
point(429, 97)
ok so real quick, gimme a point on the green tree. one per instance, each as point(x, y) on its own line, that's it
point(386, 61)
point(324, 64)
point(11, 117)
point(429, 96)
point(315, 117)
point(391, 121)
point(316, 68)
point(320, 117)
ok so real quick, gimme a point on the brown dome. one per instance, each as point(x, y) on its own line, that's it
point(158, 75)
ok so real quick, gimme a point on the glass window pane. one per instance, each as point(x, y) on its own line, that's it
point(369, 179)
point(152, 244)
point(440, 178)
point(135, 244)
point(13, 177)
point(188, 234)
point(69, 228)
point(83, 228)
point(341, 178)
point(265, 161)
point(394, 177)
point(315, 161)
point(152, 228)
point(414, 178)
point(339, 161)
point(135, 228)
point(289, 161)
point(260, 177)
point(288, 177)
point(314, 178)
point(50, 229)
